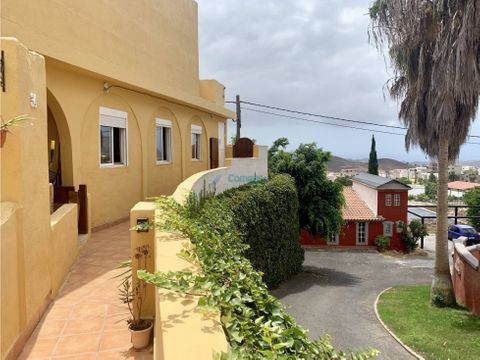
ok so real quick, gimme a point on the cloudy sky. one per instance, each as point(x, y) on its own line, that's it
point(307, 55)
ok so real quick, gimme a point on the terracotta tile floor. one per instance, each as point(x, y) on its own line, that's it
point(87, 320)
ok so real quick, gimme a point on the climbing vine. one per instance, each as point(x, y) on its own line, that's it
point(255, 323)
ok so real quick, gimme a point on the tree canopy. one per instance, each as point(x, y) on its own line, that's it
point(472, 197)
point(320, 199)
point(434, 48)
point(372, 160)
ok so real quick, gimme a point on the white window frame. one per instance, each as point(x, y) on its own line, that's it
point(396, 199)
point(164, 123)
point(400, 226)
point(357, 233)
point(333, 239)
point(388, 200)
point(197, 131)
point(114, 119)
point(386, 225)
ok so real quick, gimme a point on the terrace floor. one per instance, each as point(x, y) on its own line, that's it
point(87, 319)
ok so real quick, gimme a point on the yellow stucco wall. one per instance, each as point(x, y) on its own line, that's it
point(12, 318)
point(148, 52)
point(63, 244)
point(149, 44)
point(37, 249)
point(76, 97)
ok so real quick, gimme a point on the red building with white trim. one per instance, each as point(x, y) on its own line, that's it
point(374, 206)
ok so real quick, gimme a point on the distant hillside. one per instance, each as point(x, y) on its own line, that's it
point(336, 164)
point(390, 164)
point(475, 163)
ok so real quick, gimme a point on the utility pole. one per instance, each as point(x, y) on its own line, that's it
point(239, 116)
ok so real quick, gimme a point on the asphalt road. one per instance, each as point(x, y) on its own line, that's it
point(335, 295)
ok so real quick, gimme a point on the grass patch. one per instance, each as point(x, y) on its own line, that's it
point(436, 333)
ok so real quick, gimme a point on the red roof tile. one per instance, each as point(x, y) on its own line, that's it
point(462, 185)
point(355, 208)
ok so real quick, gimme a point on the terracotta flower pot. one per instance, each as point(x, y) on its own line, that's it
point(3, 136)
point(141, 338)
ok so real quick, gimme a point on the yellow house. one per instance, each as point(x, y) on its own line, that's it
point(118, 106)
point(127, 114)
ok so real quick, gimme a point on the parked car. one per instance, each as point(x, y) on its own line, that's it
point(455, 231)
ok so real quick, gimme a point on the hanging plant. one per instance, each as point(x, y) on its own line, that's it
point(15, 121)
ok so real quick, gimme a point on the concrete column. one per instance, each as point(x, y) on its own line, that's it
point(143, 210)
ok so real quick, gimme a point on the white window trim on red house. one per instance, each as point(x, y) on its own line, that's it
point(400, 225)
point(396, 200)
point(333, 239)
point(388, 200)
point(388, 225)
point(357, 233)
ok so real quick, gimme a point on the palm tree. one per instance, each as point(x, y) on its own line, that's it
point(434, 48)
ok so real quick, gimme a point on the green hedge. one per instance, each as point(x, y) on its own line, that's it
point(266, 216)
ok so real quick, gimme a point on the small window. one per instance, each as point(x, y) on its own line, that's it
point(362, 233)
point(196, 142)
point(388, 200)
point(396, 200)
point(400, 226)
point(333, 239)
point(388, 228)
point(113, 137)
point(164, 140)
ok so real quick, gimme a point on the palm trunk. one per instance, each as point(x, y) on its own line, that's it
point(442, 290)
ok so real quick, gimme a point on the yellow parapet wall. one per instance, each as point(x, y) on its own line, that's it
point(181, 332)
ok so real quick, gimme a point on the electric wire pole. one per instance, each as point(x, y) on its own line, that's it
point(239, 116)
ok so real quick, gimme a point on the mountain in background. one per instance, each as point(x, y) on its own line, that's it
point(336, 164)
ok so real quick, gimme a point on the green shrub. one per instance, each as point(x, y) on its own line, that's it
point(422, 197)
point(472, 197)
point(412, 234)
point(265, 214)
point(382, 242)
point(255, 323)
point(321, 199)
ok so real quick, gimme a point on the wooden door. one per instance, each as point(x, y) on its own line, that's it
point(213, 153)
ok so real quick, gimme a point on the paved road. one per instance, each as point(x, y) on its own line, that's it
point(335, 295)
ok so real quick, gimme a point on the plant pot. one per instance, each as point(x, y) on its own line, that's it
point(141, 338)
point(3, 137)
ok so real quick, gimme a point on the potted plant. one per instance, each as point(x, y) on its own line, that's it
point(4, 125)
point(134, 296)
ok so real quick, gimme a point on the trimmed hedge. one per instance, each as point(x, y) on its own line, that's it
point(266, 216)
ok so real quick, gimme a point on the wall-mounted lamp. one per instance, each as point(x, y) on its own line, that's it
point(106, 86)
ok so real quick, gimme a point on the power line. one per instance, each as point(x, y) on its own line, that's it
point(326, 116)
point(319, 122)
point(328, 123)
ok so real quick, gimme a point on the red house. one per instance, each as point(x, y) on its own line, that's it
point(374, 206)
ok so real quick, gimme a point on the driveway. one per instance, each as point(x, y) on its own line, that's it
point(335, 295)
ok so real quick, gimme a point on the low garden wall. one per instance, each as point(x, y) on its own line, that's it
point(238, 171)
point(176, 316)
point(466, 275)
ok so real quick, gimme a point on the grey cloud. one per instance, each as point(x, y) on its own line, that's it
point(308, 55)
